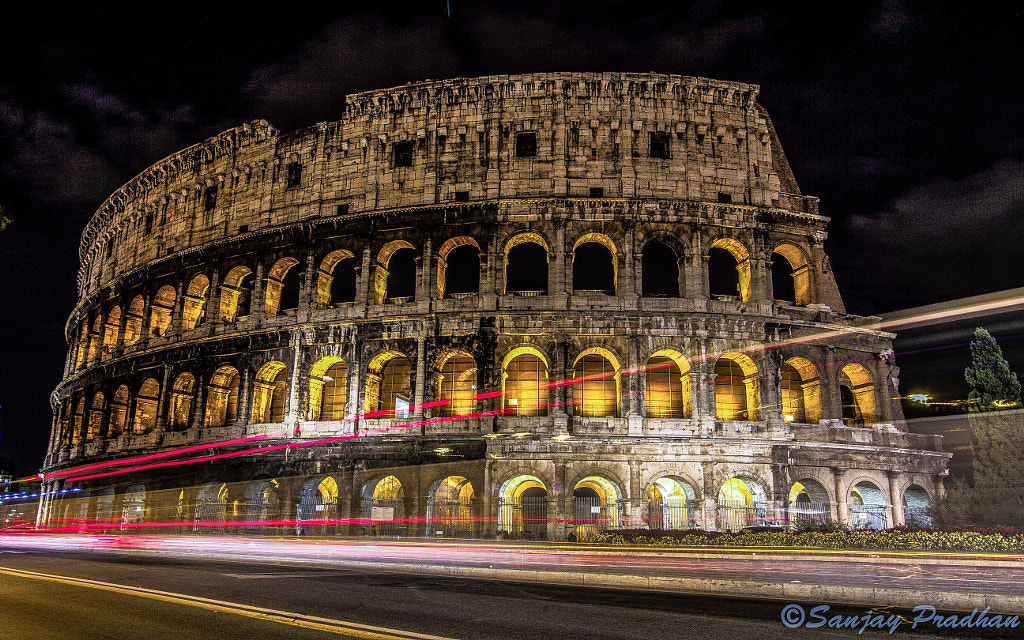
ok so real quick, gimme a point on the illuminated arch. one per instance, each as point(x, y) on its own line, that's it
point(524, 382)
point(96, 411)
point(522, 273)
point(95, 340)
point(584, 273)
point(595, 506)
point(597, 383)
point(270, 393)
point(672, 504)
point(737, 388)
point(328, 385)
point(809, 502)
point(668, 393)
point(741, 256)
point(800, 391)
point(742, 502)
point(146, 406)
point(282, 291)
point(466, 263)
point(383, 507)
point(261, 504)
point(160, 311)
point(916, 503)
point(211, 505)
point(133, 505)
point(133, 321)
point(112, 330)
point(78, 422)
point(522, 507)
point(381, 288)
point(118, 412)
point(859, 406)
point(798, 276)
point(222, 397)
point(236, 294)
point(455, 377)
point(182, 395)
point(450, 508)
point(867, 505)
point(325, 276)
point(194, 308)
point(388, 384)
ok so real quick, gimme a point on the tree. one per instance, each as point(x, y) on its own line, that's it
point(993, 386)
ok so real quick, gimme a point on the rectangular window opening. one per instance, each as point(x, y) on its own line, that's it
point(403, 153)
point(461, 196)
point(596, 192)
point(210, 198)
point(526, 144)
point(294, 174)
point(659, 145)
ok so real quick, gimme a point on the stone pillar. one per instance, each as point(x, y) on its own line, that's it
point(559, 270)
point(178, 310)
point(896, 516)
point(842, 502)
point(421, 382)
point(883, 399)
point(245, 392)
point(703, 383)
point(353, 409)
point(213, 300)
point(364, 280)
point(162, 402)
point(293, 412)
point(637, 518)
point(258, 302)
point(831, 398)
point(626, 288)
point(559, 504)
point(307, 290)
point(710, 499)
point(634, 387)
point(199, 412)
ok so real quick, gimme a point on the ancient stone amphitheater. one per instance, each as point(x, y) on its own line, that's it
point(534, 306)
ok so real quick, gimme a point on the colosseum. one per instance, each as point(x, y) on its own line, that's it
point(530, 306)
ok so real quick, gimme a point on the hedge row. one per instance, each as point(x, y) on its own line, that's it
point(998, 539)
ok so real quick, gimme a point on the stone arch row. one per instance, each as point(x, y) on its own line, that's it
point(396, 271)
point(524, 504)
point(671, 385)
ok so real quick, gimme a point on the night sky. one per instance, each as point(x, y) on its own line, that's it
point(905, 118)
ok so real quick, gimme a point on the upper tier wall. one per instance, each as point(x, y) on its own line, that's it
point(458, 137)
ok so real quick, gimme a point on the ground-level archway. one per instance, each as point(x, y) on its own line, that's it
point(523, 508)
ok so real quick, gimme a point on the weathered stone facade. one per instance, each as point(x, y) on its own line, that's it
point(413, 282)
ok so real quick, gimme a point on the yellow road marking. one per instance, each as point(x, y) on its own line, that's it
point(337, 627)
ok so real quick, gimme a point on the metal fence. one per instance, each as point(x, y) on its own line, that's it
point(257, 511)
point(868, 516)
point(808, 512)
point(672, 514)
point(526, 517)
point(917, 517)
point(591, 516)
point(735, 515)
point(450, 518)
point(314, 514)
point(383, 517)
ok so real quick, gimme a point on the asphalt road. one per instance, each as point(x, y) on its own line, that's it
point(253, 600)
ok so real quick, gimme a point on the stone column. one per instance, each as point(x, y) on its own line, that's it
point(364, 280)
point(559, 507)
point(842, 502)
point(307, 290)
point(710, 499)
point(896, 516)
point(162, 402)
point(421, 382)
point(245, 392)
point(636, 519)
point(258, 302)
point(293, 412)
point(559, 270)
point(831, 399)
point(633, 386)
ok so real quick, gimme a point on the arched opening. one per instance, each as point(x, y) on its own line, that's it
point(867, 506)
point(450, 508)
point(78, 423)
point(395, 277)
point(118, 412)
point(160, 312)
point(791, 275)
point(211, 507)
point(318, 507)
point(82, 346)
point(389, 385)
point(455, 384)
point(783, 289)
point(236, 294)
point(105, 508)
point(261, 505)
point(524, 390)
point(133, 323)
point(112, 330)
point(383, 507)
point(801, 391)
point(282, 287)
point(336, 280)
point(96, 340)
point(270, 393)
point(736, 388)
point(146, 406)
point(133, 506)
point(595, 506)
point(194, 308)
point(526, 265)
point(182, 395)
point(523, 508)
point(660, 269)
point(858, 395)
point(328, 383)
point(96, 411)
point(741, 503)
point(458, 268)
point(594, 265)
point(595, 387)
point(222, 397)
point(729, 270)
point(668, 386)
point(916, 503)
point(671, 504)
point(808, 504)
